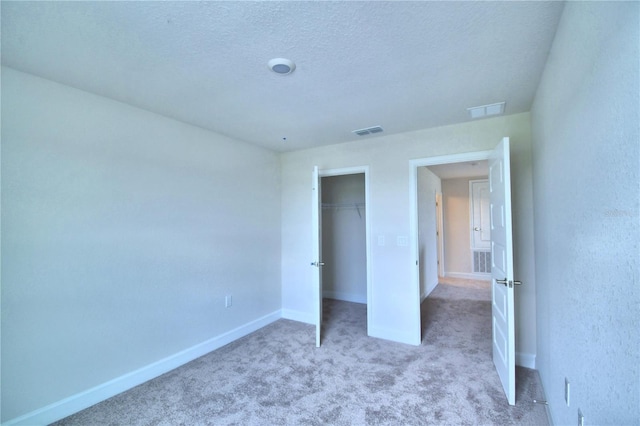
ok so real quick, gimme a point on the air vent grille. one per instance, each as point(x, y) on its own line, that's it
point(368, 131)
point(482, 261)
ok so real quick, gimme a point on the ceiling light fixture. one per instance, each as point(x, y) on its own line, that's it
point(487, 110)
point(282, 66)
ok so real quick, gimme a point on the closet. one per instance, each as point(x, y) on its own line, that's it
point(344, 276)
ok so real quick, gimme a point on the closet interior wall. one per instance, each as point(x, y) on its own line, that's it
point(344, 276)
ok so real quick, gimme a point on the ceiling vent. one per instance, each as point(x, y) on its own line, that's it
point(486, 110)
point(368, 131)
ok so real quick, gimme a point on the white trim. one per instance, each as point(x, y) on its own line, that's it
point(394, 335)
point(80, 401)
point(526, 360)
point(343, 171)
point(298, 316)
point(347, 297)
point(367, 218)
point(449, 159)
point(413, 219)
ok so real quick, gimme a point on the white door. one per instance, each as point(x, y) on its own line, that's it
point(502, 269)
point(316, 241)
point(480, 228)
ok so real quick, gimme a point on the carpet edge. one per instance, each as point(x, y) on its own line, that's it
point(85, 399)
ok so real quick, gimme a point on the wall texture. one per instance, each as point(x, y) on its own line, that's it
point(586, 159)
point(394, 309)
point(122, 231)
point(344, 276)
point(428, 186)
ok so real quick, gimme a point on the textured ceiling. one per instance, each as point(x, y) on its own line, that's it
point(402, 65)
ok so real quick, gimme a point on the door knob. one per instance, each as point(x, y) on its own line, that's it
point(476, 229)
point(507, 283)
point(317, 264)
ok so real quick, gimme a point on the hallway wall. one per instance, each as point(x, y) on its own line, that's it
point(586, 156)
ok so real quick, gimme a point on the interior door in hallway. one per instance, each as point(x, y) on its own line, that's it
point(502, 282)
point(480, 227)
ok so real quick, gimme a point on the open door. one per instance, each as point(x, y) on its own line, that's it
point(502, 282)
point(316, 241)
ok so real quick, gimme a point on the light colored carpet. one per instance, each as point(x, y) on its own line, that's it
point(276, 376)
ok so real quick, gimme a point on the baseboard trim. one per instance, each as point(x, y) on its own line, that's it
point(526, 360)
point(73, 404)
point(298, 316)
point(347, 297)
point(468, 276)
point(394, 335)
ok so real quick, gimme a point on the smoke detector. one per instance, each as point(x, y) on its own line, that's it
point(282, 66)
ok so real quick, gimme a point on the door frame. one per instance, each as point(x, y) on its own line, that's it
point(352, 171)
point(413, 215)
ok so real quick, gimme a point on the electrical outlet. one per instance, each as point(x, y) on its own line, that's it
point(567, 393)
point(580, 418)
point(227, 301)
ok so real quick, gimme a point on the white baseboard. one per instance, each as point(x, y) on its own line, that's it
point(468, 276)
point(298, 316)
point(347, 297)
point(82, 400)
point(395, 336)
point(526, 360)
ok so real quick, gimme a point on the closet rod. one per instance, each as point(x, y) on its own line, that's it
point(342, 205)
point(338, 206)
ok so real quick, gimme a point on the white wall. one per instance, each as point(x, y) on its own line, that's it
point(586, 145)
point(428, 186)
point(344, 250)
point(393, 313)
point(457, 222)
point(122, 231)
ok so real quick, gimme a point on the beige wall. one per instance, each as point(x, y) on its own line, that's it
point(457, 236)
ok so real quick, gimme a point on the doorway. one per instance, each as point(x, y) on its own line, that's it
point(502, 272)
point(344, 275)
point(465, 229)
point(343, 244)
point(425, 190)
